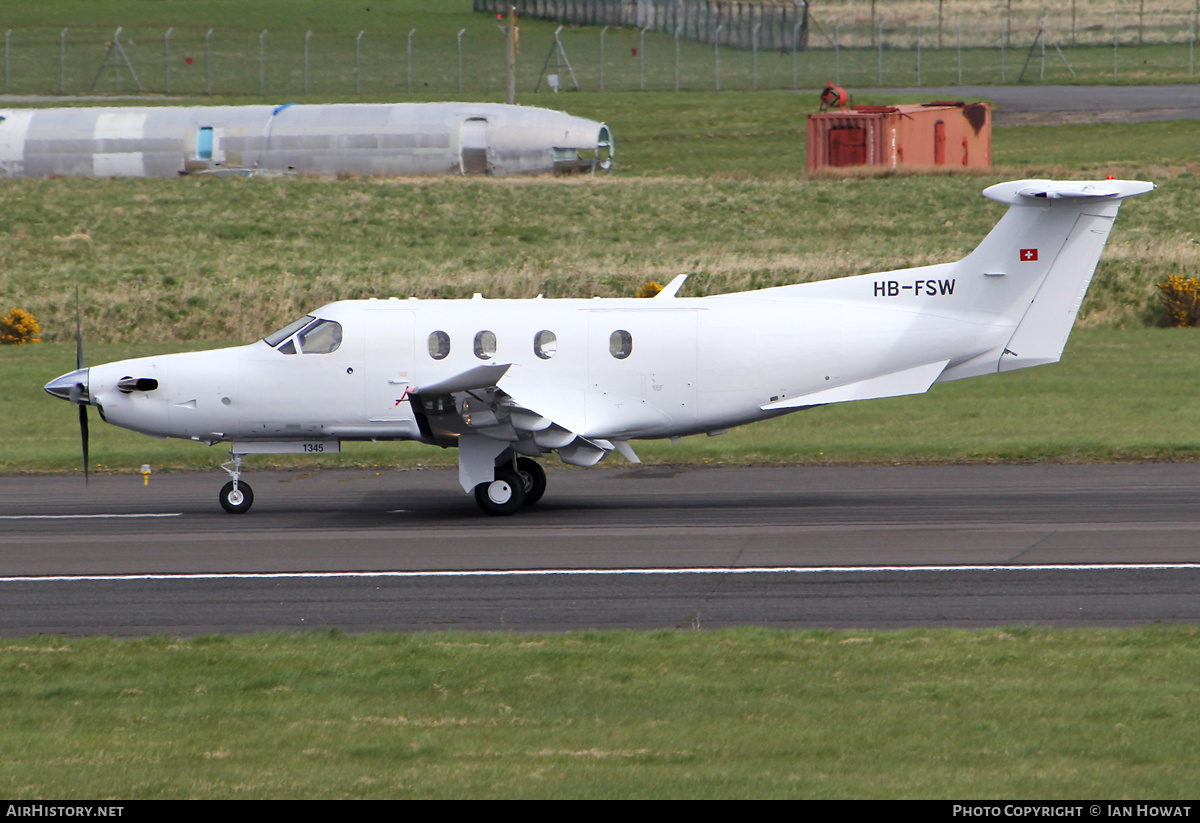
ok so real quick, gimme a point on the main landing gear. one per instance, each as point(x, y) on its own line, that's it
point(236, 497)
point(517, 483)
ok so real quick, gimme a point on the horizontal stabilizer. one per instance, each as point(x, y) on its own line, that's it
point(1029, 192)
point(916, 380)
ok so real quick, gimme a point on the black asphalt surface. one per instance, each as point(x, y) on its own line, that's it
point(1048, 105)
point(620, 547)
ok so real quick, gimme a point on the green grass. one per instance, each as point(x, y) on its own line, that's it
point(179, 260)
point(1117, 395)
point(1016, 713)
point(36, 66)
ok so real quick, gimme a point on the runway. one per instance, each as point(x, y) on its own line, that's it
point(630, 547)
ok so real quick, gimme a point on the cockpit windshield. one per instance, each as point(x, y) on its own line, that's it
point(275, 338)
point(309, 335)
point(321, 337)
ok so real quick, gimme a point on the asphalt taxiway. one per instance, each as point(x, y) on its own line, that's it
point(1026, 105)
point(633, 547)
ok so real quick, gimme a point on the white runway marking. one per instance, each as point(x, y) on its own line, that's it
point(84, 516)
point(545, 572)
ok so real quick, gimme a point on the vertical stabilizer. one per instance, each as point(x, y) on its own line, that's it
point(1035, 266)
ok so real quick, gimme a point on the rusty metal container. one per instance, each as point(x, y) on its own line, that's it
point(941, 135)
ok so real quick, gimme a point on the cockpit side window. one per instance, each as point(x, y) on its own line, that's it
point(323, 337)
point(275, 338)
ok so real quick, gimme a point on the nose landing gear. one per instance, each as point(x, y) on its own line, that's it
point(236, 497)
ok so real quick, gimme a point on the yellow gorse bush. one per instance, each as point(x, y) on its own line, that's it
point(649, 289)
point(18, 328)
point(1181, 300)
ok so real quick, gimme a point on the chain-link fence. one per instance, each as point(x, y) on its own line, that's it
point(860, 50)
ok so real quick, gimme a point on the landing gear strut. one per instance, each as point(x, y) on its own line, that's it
point(236, 497)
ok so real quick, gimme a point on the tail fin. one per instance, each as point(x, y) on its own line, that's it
point(1037, 262)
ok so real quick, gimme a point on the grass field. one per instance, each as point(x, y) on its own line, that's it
point(1016, 713)
point(44, 60)
point(705, 186)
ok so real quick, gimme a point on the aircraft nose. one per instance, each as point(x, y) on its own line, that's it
point(73, 386)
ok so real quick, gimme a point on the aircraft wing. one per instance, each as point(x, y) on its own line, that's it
point(473, 411)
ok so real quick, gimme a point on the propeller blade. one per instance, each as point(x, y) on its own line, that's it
point(83, 421)
point(83, 434)
point(78, 333)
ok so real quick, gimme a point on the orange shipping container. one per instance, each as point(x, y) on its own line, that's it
point(932, 135)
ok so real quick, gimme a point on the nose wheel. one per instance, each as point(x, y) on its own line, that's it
point(236, 497)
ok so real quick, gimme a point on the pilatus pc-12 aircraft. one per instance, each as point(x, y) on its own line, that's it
point(508, 381)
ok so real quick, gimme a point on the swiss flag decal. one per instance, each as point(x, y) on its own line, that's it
point(1029, 255)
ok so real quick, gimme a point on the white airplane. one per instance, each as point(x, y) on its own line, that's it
point(506, 381)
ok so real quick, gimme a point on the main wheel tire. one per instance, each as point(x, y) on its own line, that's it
point(504, 495)
point(534, 478)
point(237, 502)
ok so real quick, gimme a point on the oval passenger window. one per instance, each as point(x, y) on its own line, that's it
point(485, 345)
point(439, 345)
point(545, 344)
point(620, 344)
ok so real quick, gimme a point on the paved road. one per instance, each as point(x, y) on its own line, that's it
point(1044, 105)
point(637, 548)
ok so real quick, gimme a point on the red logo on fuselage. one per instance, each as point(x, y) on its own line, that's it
point(1028, 255)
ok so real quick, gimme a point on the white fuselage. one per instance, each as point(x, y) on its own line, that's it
point(505, 381)
point(694, 364)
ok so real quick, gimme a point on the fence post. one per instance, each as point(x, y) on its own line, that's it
point(358, 63)
point(754, 37)
point(918, 55)
point(603, 31)
point(678, 29)
point(837, 55)
point(1192, 45)
point(716, 54)
point(960, 51)
point(166, 57)
point(1114, 44)
point(880, 42)
point(795, 46)
point(62, 63)
point(642, 61)
point(1003, 38)
point(208, 59)
point(460, 79)
point(307, 35)
point(1042, 40)
point(408, 74)
point(262, 63)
